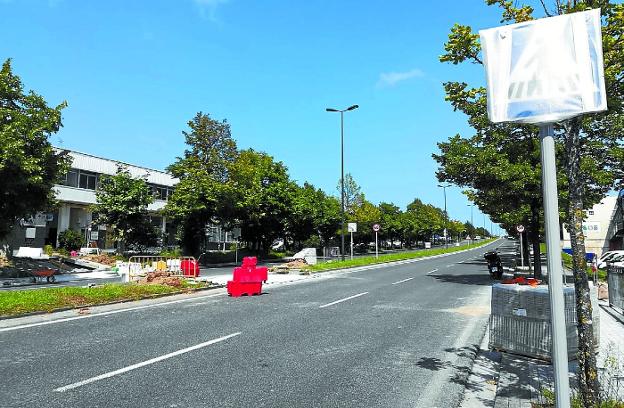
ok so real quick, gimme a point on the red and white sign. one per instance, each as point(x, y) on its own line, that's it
point(376, 227)
point(520, 228)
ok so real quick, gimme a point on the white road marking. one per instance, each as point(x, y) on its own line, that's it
point(142, 364)
point(448, 266)
point(401, 281)
point(111, 312)
point(344, 300)
point(430, 272)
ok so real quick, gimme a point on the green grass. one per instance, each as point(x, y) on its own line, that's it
point(601, 274)
point(48, 299)
point(371, 260)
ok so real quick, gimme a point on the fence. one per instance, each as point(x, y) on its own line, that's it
point(138, 266)
point(615, 280)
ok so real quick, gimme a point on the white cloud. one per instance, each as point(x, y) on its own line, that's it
point(393, 78)
point(208, 8)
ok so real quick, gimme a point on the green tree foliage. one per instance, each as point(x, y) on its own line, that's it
point(313, 214)
point(202, 194)
point(70, 240)
point(590, 154)
point(122, 203)
point(29, 165)
point(352, 193)
point(262, 195)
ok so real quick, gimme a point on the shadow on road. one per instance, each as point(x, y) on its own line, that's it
point(481, 279)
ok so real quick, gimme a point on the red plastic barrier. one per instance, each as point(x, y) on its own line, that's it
point(190, 268)
point(247, 279)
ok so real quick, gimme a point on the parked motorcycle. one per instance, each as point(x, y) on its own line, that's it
point(495, 267)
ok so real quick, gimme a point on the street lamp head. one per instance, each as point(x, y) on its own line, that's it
point(332, 110)
point(352, 107)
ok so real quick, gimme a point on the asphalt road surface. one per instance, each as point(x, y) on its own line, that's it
point(393, 336)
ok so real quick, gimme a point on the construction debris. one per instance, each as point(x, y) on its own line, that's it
point(161, 278)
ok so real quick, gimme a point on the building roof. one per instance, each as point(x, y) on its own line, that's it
point(101, 165)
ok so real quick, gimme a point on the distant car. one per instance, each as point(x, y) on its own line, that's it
point(478, 237)
point(608, 257)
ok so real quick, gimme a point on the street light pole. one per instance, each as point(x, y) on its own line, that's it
point(444, 186)
point(471, 223)
point(342, 192)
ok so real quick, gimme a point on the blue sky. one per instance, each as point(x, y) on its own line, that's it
point(134, 72)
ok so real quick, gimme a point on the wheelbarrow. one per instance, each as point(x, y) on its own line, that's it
point(39, 275)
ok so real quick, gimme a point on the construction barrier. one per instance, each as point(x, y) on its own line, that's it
point(139, 266)
point(247, 279)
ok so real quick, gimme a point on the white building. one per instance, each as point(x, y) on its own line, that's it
point(76, 194)
point(602, 226)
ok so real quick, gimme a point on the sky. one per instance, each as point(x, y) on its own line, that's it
point(135, 72)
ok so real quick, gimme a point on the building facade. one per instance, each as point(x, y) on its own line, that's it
point(603, 227)
point(76, 195)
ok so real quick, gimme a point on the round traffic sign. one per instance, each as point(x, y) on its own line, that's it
point(376, 227)
point(520, 228)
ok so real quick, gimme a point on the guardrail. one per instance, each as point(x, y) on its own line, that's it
point(615, 281)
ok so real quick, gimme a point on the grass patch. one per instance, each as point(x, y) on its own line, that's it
point(566, 259)
point(17, 302)
point(371, 260)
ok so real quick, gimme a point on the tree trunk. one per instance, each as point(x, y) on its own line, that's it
point(588, 374)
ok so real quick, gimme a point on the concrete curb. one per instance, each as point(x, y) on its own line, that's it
point(153, 296)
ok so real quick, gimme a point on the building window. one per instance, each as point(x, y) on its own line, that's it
point(590, 212)
point(71, 178)
point(87, 180)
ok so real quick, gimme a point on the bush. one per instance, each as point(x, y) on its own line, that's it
point(48, 250)
point(70, 240)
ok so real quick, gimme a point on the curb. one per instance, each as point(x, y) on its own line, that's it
point(115, 302)
point(617, 316)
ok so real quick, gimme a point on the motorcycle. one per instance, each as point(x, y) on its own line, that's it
point(494, 264)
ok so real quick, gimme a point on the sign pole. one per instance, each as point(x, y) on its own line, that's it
point(555, 278)
point(351, 245)
point(376, 249)
point(521, 251)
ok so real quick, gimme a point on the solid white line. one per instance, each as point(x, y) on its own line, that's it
point(430, 272)
point(401, 281)
point(142, 364)
point(111, 312)
point(343, 300)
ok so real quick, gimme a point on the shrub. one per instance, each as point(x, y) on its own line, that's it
point(48, 250)
point(70, 240)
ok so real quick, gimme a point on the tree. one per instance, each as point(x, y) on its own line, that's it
point(590, 147)
point(202, 195)
point(352, 193)
point(122, 203)
point(29, 165)
point(262, 195)
point(390, 221)
point(313, 213)
point(365, 215)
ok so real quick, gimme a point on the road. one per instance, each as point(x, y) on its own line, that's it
point(393, 336)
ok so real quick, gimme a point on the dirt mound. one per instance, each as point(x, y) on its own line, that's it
point(103, 259)
point(161, 278)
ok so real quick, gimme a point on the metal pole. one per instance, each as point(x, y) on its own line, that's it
point(376, 250)
point(521, 251)
point(445, 220)
point(555, 280)
point(351, 245)
point(342, 183)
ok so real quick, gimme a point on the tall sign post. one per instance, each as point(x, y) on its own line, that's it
point(520, 229)
point(376, 228)
point(351, 228)
point(542, 72)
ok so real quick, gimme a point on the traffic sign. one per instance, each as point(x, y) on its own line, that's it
point(520, 228)
point(376, 227)
point(352, 227)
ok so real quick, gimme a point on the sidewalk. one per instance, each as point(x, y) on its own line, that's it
point(503, 380)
